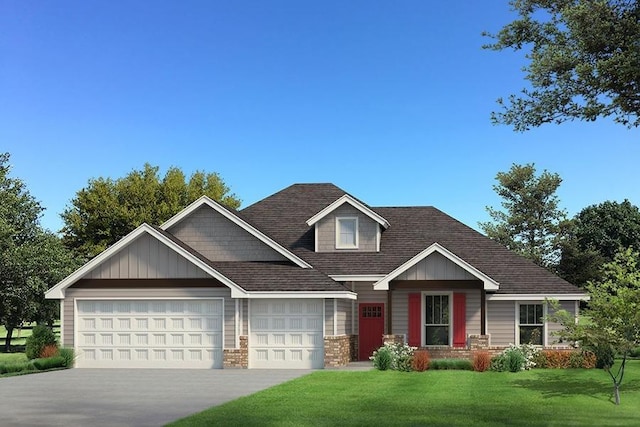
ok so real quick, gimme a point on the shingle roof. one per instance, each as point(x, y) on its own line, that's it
point(283, 217)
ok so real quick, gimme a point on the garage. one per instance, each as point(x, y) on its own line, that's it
point(286, 334)
point(162, 333)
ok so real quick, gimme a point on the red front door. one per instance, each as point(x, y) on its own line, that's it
point(370, 329)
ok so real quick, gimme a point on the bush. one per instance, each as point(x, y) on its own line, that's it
point(11, 368)
point(41, 336)
point(451, 364)
point(48, 363)
point(540, 359)
point(67, 355)
point(588, 360)
point(635, 352)
point(382, 359)
point(515, 358)
point(563, 359)
point(605, 356)
point(515, 361)
point(421, 361)
point(49, 350)
point(481, 361)
point(401, 356)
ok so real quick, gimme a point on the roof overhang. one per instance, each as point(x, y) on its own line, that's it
point(537, 297)
point(489, 283)
point(353, 202)
point(356, 277)
point(308, 294)
point(58, 291)
point(206, 201)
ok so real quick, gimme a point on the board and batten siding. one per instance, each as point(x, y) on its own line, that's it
point(436, 267)
point(367, 231)
point(149, 293)
point(146, 258)
point(400, 309)
point(219, 239)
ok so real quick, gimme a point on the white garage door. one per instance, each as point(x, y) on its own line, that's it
point(286, 334)
point(149, 333)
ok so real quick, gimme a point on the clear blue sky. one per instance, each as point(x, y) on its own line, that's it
point(388, 100)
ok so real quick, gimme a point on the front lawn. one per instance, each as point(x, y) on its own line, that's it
point(12, 358)
point(544, 397)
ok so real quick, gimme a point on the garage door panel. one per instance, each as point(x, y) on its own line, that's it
point(150, 334)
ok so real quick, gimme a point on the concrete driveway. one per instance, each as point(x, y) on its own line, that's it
point(125, 397)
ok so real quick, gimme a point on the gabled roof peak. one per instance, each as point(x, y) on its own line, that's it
point(348, 199)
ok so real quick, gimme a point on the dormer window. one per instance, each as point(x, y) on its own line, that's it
point(347, 232)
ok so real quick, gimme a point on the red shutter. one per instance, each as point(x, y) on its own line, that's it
point(415, 319)
point(459, 320)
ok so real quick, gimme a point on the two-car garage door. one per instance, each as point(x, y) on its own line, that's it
point(149, 333)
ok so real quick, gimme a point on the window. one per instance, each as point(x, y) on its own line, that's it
point(347, 233)
point(531, 324)
point(437, 320)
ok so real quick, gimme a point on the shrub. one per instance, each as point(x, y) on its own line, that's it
point(48, 363)
point(401, 356)
point(498, 363)
point(588, 360)
point(11, 368)
point(481, 361)
point(540, 359)
point(451, 364)
point(515, 361)
point(605, 356)
point(67, 355)
point(557, 358)
point(515, 358)
point(49, 350)
point(420, 361)
point(382, 358)
point(635, 352)
point(41, 336)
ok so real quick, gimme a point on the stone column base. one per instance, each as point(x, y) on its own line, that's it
point(237, 357)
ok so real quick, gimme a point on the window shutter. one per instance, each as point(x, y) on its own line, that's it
point(459, 320)
point(415, 316)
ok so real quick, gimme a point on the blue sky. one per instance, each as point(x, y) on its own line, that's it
point(388, 100)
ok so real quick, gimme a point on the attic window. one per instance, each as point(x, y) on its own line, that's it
point(347, 232)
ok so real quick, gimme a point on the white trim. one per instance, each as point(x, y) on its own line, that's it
point(324, 321)
point(378, 238)
point(353, 202)
point(356, 277)
point(356, 232)
point(544, 322)
point(537, 297)
point(249, 335)
point(301, 295)
point(58, 291)
point(335, 316)
point(204, 200)
point(237, 320)
point(489, 283)
point(62, 323)
point(423, 317)
point(315, 237)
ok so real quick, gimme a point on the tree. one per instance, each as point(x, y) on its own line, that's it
point(584, 61)
point(612, 320)
point(107, 210)
point(597, 234)
point(532, 224)
point(31, 259)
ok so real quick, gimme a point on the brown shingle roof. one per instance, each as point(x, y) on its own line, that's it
point(283, 217)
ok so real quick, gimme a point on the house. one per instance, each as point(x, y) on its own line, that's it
point(309, 277)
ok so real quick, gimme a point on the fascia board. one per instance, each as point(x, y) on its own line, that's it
point(353, 202)
point(204, 200)
point(537, 297)
point(489, 283)
point(294, 294)
point(357, 277)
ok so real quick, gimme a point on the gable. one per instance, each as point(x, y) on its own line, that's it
point(368, 230)
point(436, 267)
point(146, 258)
point(218, 239)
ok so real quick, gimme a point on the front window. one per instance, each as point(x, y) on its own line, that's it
point(347, 233)
point(531, 324)
point(437, 320)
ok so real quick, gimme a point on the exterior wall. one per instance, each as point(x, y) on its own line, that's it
point(344, 315)
point(328, 316)
point(436, 267)
point(146, 258)
point(367, 294)
point(367, 231)
point(400, 309)
point(219, 239)
point(140, 293)
point(570, 306)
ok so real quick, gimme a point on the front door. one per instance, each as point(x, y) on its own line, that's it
point(370, 329)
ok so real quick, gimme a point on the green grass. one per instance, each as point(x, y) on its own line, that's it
point(544, 397)
point(12, 358)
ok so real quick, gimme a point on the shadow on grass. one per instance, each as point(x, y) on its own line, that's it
point(552, 384)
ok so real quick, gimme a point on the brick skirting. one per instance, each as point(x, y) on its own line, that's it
point(237, 357)
point(337, 351)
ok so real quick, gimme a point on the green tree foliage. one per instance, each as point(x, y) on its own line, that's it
point(107, 209)
point(583, 61)
point(531, 223)
point(597, 234)
point(31, 259)
point(611, 324)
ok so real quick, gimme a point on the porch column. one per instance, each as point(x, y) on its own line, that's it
point(483, 314)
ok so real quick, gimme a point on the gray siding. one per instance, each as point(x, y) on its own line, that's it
point(501, 322)
point(344, 316)
point(555, 327)
point(436, 267)
point(367, 231)
point(367, 294)
point(146, 258)
point(328, 316)
point(218, 239)
point(400, 309)
point(72, 294)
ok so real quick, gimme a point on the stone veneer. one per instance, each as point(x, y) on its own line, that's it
point(474, 342)
point(237, 357)
point(337, 351)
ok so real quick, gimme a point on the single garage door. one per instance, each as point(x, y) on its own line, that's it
point(149, 333)
point(286, 334)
